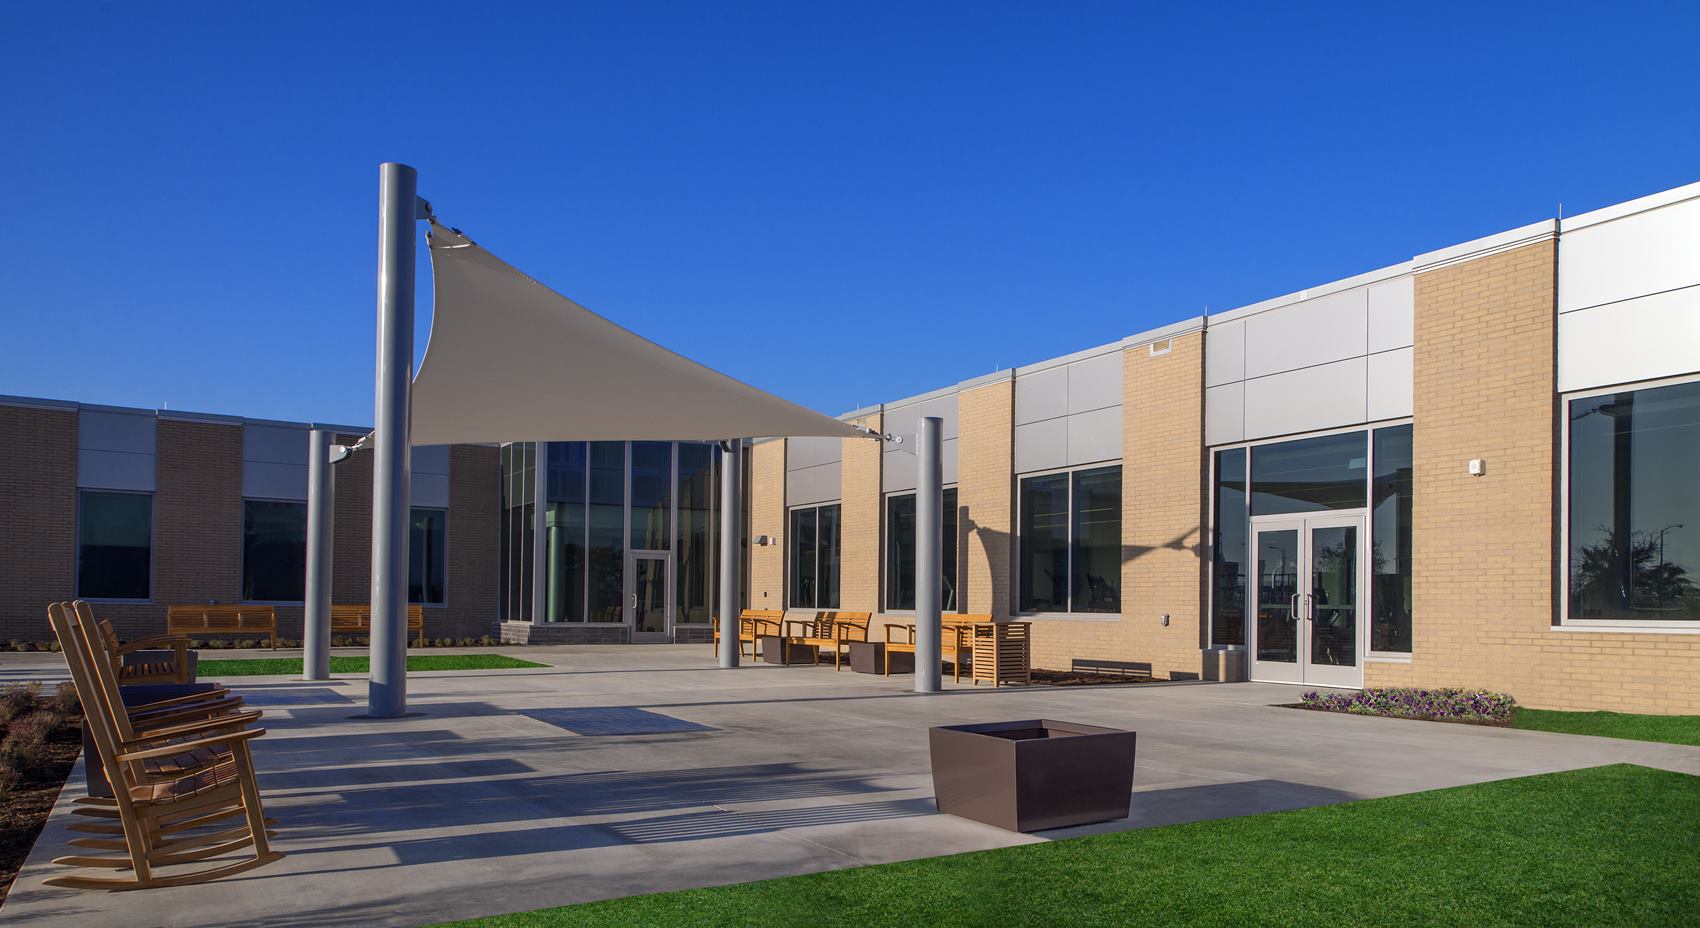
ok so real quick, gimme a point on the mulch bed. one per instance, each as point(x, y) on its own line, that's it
point(24, 809)
point(1081, 678)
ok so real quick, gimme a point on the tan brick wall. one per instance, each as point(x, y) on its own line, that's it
point(38, 512)
point(985, 489)
point(767, 517)
point(859, 571)
point(1485, 559)
point(1163, 514)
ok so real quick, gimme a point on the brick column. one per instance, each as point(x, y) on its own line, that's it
point(767, 517)
point(859, 572)
point(985, 493)
point(198, 521)
point(38, 518)
point(474, 544)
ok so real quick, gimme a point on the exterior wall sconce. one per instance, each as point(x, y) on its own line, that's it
point(1478, 467)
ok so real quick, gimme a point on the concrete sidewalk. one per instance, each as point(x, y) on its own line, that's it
point(472, 807)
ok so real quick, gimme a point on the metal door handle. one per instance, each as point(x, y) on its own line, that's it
point(1310, 608)
point(634, 600)
point(1293, 607)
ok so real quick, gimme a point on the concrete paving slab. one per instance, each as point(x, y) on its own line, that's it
point(469, 807)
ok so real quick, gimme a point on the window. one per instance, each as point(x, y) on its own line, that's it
point(1070, 541)
point(274, 551)
point(1310, 474)
point(652, 495)
point(114, 545)
point(900, 552)
point(607, 547)
point(1634, 506)
point(519, 510)
point(696, 553)
point(1390, 542)
point(563, 532)
point(814, 550)
point(427, 544)
point(1227, 550)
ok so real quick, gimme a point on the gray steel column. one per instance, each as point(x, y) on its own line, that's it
point(929, 553)
point(398, 210)
point(731, 559)
point(321, 506)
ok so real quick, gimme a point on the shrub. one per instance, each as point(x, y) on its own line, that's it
point(1445, 705)
point(9, 780)
point(65, 701)
point(24, 748)
point(17, 699)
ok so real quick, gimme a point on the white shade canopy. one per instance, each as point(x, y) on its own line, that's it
point(511, 360)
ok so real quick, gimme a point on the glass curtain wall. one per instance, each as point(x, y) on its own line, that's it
point(519, 510)
point(652, 495)
point(696, 548)
point(1390, 541)
point(1634, 506)
point(563, 532)
point(607, 531)
point(1228, 550)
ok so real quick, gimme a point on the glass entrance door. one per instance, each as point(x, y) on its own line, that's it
point(650, 595)
point(1309, 584)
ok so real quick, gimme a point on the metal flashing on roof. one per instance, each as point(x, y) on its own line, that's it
point(997, 376)
point(1310, 293)
point(1173, 329)
point(921, 398)
point(1046, 365)
point(862, 413)
point(1486, 245)
point(1644, 204)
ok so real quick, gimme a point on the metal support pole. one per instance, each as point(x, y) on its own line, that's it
point(929, 553)
point(731, 553)
point(398, 210)
point(321, 507)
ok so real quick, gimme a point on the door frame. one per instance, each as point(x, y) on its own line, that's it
point(1302, 671)
point(665, 558)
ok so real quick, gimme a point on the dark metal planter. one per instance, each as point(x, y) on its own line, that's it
point(779, 650)
point(1033, 775)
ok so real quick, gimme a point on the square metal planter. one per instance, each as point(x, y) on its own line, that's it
point(1033, 775)
point(779, 650)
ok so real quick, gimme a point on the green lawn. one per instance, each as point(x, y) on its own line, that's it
point(1605, 846)
point(1674, 729)
point(292, 665)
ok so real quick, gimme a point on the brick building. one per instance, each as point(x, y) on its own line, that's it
point(1475, 467)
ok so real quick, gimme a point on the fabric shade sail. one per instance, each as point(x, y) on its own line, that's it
point(511, 360)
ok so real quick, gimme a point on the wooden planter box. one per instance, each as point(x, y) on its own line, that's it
point(1002, 653)
point(1033, 775)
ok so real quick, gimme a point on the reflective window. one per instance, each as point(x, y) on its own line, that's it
point(114, 545)
point(427, 546)
point(1228, 551)
point(1310, 474)
point(814, 556)
point(1070, 542)
point(607, 531)
point(1390, 541)
point(696, 538)
point(564, 533)
point(274, 551)
point(900, 551)
point(652, 495)
point(1635, 505)
point(519, 512)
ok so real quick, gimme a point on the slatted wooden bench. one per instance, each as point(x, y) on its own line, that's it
point(356, 619)
point(752, 624)
point(956, 641)
point(833, 630)
point(200, 621)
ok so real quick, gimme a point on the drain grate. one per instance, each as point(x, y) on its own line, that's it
point(613, 721)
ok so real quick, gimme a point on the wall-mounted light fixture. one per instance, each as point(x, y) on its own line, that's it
point(1478, 467)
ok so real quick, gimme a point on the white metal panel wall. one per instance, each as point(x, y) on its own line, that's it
point(897, 468)
point(1070, 414)
point(1339, 359)
point(115, 450)
point(821, 483)
point(274, 462)
point(1629, 297)
point(430, 484)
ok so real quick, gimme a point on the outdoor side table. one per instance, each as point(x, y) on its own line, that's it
point(777, 649)
point(869, 657)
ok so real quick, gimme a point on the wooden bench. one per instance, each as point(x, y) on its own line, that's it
point(752, 624)
point(357, 619)
point(191, 621)
point(832, 630)
point(956, 639)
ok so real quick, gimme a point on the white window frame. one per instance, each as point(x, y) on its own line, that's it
point(1016, 588)
point(1565, 622)
point(1369, 428)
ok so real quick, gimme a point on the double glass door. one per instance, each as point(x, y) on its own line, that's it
point(1308, 578)
point(650, 591)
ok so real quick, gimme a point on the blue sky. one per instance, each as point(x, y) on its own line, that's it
point(844, 204)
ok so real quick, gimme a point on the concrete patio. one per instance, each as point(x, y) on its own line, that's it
point(471, 807)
